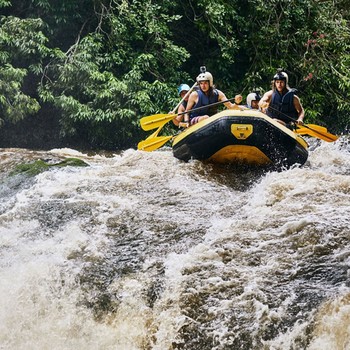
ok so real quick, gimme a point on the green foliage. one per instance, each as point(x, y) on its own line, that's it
point(104, 65)
point(23, 45)
point(5, 3)
point(14, 104)
point(218, 20)
point(114, 77)
point(325, 64)
point(23, 39)
point(310, 40)
point(37, 167)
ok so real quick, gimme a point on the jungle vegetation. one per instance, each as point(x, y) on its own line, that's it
point(96, 66)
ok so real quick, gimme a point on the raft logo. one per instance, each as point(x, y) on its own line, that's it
point(241, 131)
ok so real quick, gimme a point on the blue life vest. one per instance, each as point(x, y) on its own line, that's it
point(282, 106)
point(204, 100)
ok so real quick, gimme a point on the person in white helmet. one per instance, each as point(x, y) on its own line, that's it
point(206, 95)
point(253, 100)
point(281, 103)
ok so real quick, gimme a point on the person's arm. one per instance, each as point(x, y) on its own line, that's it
point(191, 102)
point(299, 108)
point(265, 101)
point(230, 105)
point(179, 118)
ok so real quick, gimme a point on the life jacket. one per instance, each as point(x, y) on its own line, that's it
point(282, 106)
point(204, 100)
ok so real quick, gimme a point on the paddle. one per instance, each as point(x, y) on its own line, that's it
point(311, 129)
point(157, 120)
point(154, 141)
point(151, 144)
point(316, 131)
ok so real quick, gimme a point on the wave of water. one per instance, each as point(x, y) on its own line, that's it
point(141, 251)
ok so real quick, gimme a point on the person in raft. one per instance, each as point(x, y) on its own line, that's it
point(206, 95)
point(281, 103)
point(182, 90)
point(253, 100)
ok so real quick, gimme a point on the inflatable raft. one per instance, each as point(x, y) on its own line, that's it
point(241, 137)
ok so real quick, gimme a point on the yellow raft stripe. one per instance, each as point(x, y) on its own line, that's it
point(240, 153)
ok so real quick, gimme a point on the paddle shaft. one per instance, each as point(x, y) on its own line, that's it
point(154, 141)
point(211, 105)
point(324, 135)
point(281, 113)
point(159, 120)
point(151, 144)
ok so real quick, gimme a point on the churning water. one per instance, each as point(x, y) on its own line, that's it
point(141, 251)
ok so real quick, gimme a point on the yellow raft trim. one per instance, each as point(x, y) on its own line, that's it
point(240, 113)
point(240, 153)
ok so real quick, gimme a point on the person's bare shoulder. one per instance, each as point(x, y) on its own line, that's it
point(265, 100)
point(221, 95)
point(192, 100)
point(267, 94)
point(193, 96)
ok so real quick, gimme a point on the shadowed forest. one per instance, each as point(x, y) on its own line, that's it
point(81, 73)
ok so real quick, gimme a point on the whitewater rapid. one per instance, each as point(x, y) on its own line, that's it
point(141, 251)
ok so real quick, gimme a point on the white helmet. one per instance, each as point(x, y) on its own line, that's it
point(206, 76)
point(253, 96)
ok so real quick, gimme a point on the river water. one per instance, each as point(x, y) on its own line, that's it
point(141, 251)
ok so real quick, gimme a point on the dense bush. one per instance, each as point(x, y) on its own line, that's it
point(103, 65)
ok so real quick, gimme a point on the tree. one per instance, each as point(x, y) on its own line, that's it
point(117, 73)
point(22, 46)
point(245, 42)
point(103, 65)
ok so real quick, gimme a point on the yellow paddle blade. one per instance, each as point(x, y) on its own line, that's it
point(317, 131)
point(155, 134)
point(155, 121)
point(316, 127)
point(151, 144)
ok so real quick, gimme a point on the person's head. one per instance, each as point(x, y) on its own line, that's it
point(253, 100)
point(205, 81)
point(182, 90)
point(280, 81)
